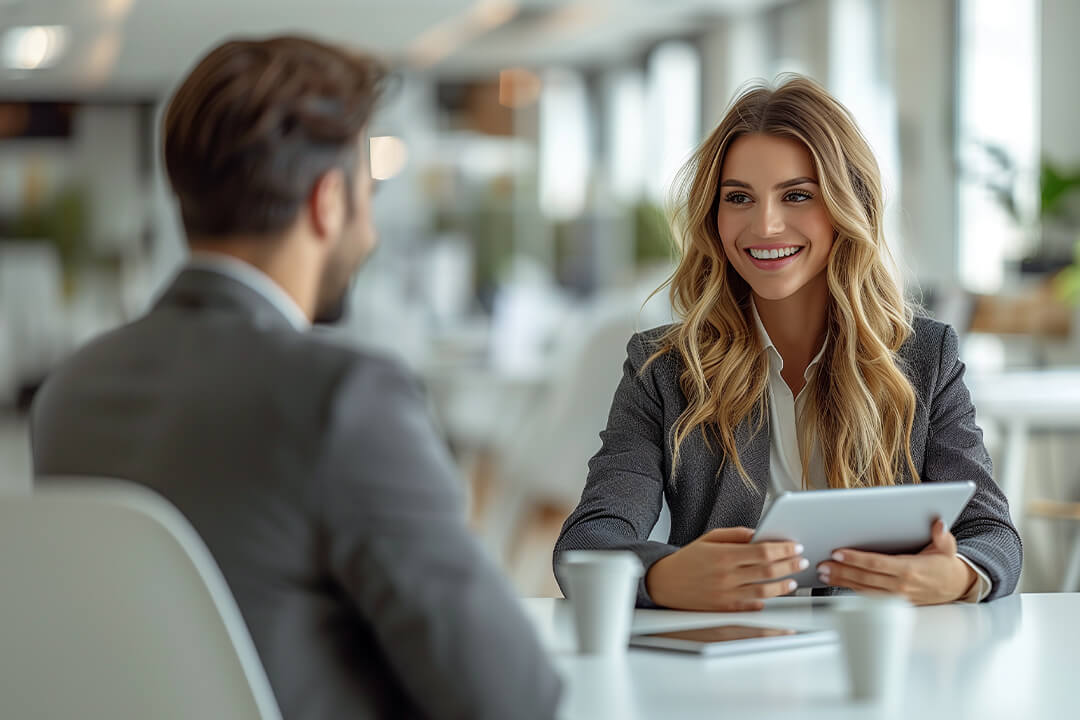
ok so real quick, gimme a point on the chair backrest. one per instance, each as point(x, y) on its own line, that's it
point(112, 607)
point(553, 447)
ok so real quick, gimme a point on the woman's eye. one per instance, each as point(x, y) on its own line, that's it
point(737, 198)
point(798, 196)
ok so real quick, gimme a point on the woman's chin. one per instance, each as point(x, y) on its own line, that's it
point(774, 292)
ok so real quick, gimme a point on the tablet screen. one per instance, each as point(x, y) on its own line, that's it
point(723, 633)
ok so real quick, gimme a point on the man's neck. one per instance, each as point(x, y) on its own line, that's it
point(286, 271)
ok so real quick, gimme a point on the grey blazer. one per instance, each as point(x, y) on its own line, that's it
point(631, 473)
point(315, 477)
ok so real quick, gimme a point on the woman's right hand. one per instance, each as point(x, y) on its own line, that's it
point(723, 571)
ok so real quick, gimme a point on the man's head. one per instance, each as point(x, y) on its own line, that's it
point(266, 149)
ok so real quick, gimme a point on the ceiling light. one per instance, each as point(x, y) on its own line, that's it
point(444, 39)
point(388, 156)
point(116, 9)
point(34, 47)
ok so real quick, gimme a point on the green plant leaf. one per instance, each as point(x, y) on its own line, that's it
point(1054, 186)
point(1067, 284)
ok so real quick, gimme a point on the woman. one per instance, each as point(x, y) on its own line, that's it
point(796, 365)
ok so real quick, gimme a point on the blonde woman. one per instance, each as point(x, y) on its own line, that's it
point(796, 364)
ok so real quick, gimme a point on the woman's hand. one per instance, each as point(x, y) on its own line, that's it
point(722, 570)
point(935, 575)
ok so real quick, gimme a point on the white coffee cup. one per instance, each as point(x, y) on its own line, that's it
point(875, 637)
point(602, 587)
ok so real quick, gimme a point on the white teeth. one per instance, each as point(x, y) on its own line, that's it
point(774, 254)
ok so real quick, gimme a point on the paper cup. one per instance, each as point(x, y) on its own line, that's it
point(875, 637)
point(601, 586)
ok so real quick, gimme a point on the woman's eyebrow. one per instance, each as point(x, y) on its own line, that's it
point(794, 181)
point(732, 182)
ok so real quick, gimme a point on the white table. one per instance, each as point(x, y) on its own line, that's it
point(1018, 657)
point(1020, 401)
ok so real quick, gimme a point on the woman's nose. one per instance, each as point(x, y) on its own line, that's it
point(769, 219)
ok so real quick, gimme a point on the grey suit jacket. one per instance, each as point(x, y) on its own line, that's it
point(315, 477)
point(631, 473)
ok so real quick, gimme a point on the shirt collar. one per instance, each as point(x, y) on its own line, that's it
point(775, 360)
point(253, 278)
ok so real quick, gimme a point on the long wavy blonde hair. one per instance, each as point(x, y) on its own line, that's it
point(860, 405)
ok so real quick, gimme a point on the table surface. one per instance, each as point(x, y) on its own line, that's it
point(1041, 397)
point(1018, 657)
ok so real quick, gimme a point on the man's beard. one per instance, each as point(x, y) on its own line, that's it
point(332, 310)
point(335, 288)
point(332, 313)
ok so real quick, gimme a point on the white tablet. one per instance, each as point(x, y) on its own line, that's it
point(890, 520)
point(732, 639)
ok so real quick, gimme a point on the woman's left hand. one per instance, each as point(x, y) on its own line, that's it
point(935, 575)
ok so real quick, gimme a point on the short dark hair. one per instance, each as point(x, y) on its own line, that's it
point(257, 122)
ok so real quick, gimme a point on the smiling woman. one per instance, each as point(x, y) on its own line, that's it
point(795, 364)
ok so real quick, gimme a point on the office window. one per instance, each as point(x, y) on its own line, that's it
point(674, 113)
point(625, 101)
point(997, 113)
point(859, 78)
point(564, 144)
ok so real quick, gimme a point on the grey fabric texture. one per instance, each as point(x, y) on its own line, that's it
point(314, 475)
point(631, 474)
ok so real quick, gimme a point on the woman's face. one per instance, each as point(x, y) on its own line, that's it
point(772, 221)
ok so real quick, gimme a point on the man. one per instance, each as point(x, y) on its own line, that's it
point(311, 470)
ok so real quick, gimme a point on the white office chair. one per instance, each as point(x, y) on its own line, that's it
point(1056, 509)
point(112, 608)
point(545, 462)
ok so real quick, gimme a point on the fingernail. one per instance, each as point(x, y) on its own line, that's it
point(838, 556)
point(803, 564)
point(791, 585)
point(798, 549)
point(823, 574)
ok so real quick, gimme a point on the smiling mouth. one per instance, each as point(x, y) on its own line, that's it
point(766, 256)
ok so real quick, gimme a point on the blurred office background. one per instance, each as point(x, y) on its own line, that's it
point(525, 159)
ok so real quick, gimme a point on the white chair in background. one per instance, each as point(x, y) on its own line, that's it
point(1054, 509)
point(544, 459)
point(32, 301)
point(114, 609)
point(9, 375)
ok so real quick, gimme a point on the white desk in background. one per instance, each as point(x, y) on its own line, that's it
point(1019, 402)
point(1013, 658)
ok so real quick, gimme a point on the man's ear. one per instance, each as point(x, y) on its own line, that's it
point(326, 205)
